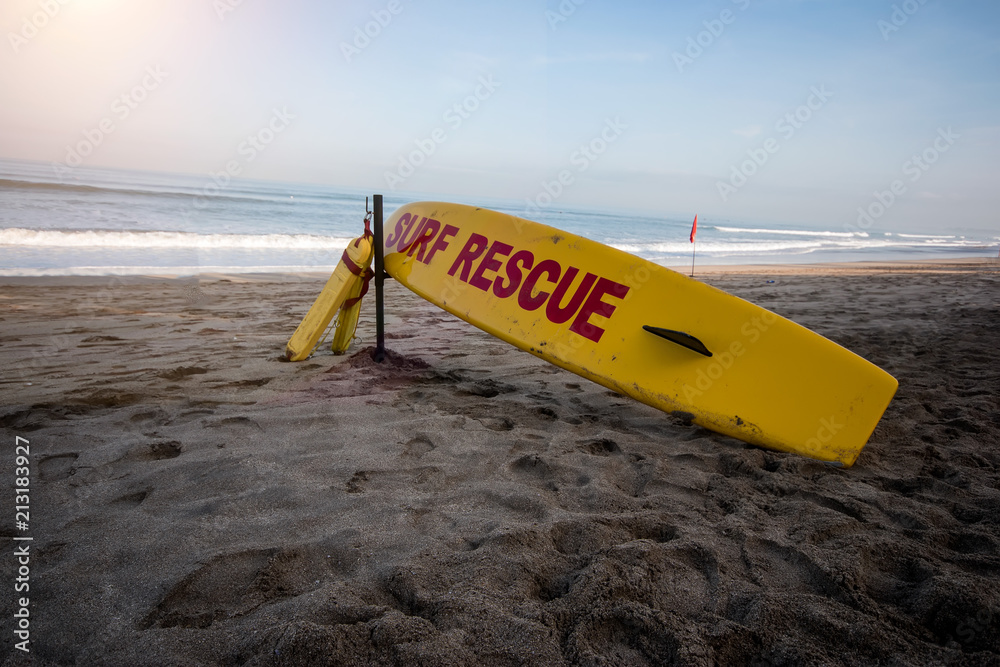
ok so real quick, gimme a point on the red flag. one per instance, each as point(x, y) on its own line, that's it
point(694, 228)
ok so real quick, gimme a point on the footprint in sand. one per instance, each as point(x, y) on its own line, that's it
point(418, 446)
point(181, 372)
point(132, 500)
point(158, 417)
point(98, 339)
point(600, 447)
point(260, 382)
point(233, 585)
point(235, 422)
point(547, 413)
point(640, 474)
point(58, 467)
point(501, 424)
point(358, 481)
point(533, 465)
point(155, 451)
point(486, 388)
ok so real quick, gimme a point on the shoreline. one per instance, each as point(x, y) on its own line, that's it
point(965, 265)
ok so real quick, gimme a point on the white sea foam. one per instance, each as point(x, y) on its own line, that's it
point(925, 236)
point(776, 247)
point(136, 239)
point(156, 270)
point(721, 247)
point(791, 232)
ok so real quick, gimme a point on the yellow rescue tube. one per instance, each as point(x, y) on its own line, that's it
point(347, 319)
point(352, 266)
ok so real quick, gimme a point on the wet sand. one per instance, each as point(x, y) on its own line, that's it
point(195, 500)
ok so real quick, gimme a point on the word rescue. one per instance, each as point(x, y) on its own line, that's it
point(508, 273)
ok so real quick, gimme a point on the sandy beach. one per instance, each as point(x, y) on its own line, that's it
point(195, 500)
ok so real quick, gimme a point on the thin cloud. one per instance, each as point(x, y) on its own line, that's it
point(749, 132)
point(476, 59)
point(633, 57)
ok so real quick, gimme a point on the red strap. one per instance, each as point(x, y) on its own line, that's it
point(354, 268)
point(364, 290)
point(368, 231)
point(359, 270)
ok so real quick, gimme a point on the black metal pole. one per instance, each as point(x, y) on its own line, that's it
point(379, 354)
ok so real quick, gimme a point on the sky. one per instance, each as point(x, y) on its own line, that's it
point(843, 113)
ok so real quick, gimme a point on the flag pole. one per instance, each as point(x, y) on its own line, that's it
point(694, 245)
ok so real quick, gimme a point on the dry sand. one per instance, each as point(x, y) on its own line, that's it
point(197, 501)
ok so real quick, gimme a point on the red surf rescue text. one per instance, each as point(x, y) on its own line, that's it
point(507, 272)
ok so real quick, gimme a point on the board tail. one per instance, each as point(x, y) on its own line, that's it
point(349, 274)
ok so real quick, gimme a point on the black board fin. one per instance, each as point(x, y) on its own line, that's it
point(680, 338)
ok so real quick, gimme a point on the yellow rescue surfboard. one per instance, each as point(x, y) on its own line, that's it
point(345, 278)
point(640, 329)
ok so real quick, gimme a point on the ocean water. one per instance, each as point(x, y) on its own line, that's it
point(117, 222)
